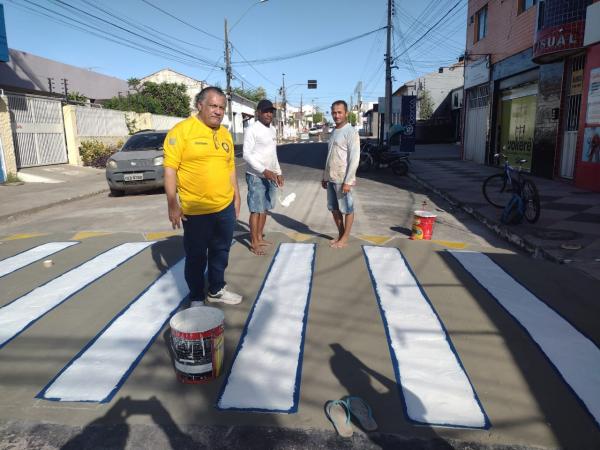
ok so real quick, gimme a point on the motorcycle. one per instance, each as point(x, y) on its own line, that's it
point(374, 156)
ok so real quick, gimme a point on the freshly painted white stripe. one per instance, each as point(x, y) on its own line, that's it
point(265, 374)
point(99, 370)
point(576, 357)
point(21, 260)
point(21, 313)
point(435, 387)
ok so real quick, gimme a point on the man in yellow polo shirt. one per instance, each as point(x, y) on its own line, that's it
point(203, 195)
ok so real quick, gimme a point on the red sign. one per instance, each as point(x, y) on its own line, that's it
point(568, 36)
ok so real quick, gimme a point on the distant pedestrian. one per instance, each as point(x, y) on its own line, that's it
point(339, 175)
point(202, 192)
point(263, 174)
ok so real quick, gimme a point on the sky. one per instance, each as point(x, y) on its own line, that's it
point(187, 36)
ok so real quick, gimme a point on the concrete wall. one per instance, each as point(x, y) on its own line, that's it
point(6, 136)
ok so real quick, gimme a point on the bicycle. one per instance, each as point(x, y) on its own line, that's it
point(499, 189)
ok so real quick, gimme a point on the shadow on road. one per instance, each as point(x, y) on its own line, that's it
point(357, 377)
point(295, 225)
point(112, 430)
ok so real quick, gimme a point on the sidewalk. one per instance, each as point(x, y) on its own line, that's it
point(49, 186)
point(568, 231)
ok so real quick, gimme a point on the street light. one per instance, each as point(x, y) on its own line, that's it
point(246, 12)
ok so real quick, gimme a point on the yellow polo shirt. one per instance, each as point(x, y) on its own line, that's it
point(204, 160)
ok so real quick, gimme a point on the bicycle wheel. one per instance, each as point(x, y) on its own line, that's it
point(531, 201)
point(400, 167)
point(496, 191)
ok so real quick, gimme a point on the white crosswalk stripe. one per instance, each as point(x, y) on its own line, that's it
point(118, 347)
point(21, 313)
point(30, 256)
point(576, 357)
point(435, 387)
point(273, 340)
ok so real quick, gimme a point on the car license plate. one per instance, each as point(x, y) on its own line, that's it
point(133, 177)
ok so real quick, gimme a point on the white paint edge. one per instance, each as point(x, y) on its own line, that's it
point(32, 255)
point(265, 373)
point(21, 313)
point(575, 357)
point(99, 370)
point(435, 388)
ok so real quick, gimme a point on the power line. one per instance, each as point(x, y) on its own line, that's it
point(308, 52)
point(182, 21)
point(428, 30)
point(206, 61)
point(102, 33)
point(254, 68)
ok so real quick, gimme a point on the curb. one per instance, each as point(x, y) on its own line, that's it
point(500, 230)
point(36, 209)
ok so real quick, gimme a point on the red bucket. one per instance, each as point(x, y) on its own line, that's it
point(422, 227)
point(197, 341)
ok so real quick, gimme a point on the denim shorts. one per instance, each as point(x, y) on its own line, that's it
point(262, 194)
point(337, 200)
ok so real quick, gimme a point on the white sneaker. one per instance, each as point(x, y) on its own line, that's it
point(224, 296)
point(196, 303)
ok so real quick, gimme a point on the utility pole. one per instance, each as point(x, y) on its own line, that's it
point(388, 75)
point(301, 113)
point(228, 88)
point(284, 100)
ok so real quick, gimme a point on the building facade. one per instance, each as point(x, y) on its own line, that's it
point(525, 70)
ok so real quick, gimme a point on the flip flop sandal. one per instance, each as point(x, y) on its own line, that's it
point(362, 411)
point(338, 414)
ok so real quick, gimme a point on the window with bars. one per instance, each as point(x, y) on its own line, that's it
point(480, 24)
point(479, 96)
point(558, 12)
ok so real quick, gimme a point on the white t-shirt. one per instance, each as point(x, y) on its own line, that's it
point(260, 149)
point(343, 156)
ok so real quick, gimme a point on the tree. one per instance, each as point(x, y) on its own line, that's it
point(168, 99)
point(76, 97)
point(425, 105)
point(251, 94)
point(352, 118)
point(317, 117)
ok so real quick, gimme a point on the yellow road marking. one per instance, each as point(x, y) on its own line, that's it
point(378, 240)
point(299, 237)
point(450, 244)
point(88, 234)
point(157, 236)
point(15, 237)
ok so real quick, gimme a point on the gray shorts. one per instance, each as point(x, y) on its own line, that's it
point(262, 194)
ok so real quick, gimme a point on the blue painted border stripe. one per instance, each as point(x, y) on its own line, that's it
point(234, 383)
point(27, 257)
point(137, 324)
point(565, 347)
point(480, 420)
point(20, 314)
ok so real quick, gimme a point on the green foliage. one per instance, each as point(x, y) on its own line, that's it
point(251, 94)
point(169, 99)
point(352, 118)
point(426, 105)
point(317, 117)
point(76, 97)
point(95, 153)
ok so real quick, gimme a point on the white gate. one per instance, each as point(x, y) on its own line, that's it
point(38, 130)
point(476, 123)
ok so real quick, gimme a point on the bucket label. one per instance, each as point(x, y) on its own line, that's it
point(200, 359)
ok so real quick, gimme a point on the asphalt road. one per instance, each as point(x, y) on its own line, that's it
point(526, 400)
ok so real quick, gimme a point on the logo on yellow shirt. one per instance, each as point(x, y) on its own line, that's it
point(225, 146)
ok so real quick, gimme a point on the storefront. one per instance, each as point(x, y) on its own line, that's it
point(476, 106)
point(517, 123)
point(587, 164)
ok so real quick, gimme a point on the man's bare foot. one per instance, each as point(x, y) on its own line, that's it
point(257, 250)
point(340, 244)
point(333, 242)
